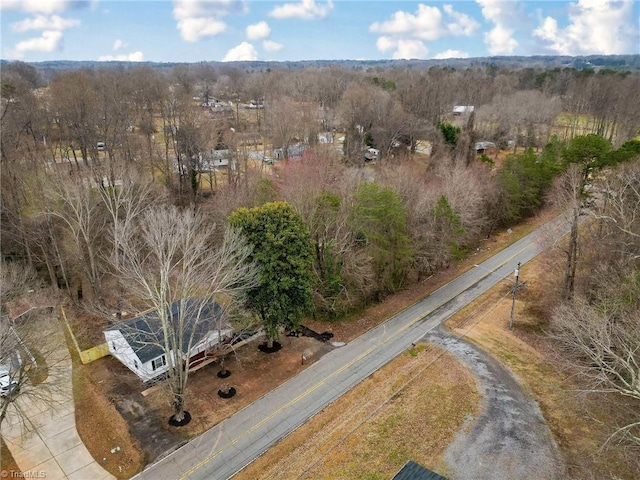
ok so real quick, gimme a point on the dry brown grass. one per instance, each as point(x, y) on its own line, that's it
point(578, 423)
point(7, 462)
point(378, 426)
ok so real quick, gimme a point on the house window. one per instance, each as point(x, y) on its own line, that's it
point(135, 362)
point(113, 344)
point(158, 362)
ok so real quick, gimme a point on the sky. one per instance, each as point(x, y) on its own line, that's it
point(289, 30)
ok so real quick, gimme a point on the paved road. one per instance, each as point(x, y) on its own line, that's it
point(232, 444)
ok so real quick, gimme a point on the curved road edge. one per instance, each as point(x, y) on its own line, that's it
point(509, 438)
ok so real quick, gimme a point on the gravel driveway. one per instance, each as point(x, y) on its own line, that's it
point(509, 439)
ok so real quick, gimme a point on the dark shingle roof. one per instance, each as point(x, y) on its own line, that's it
point(144, 332)
point(415, 471)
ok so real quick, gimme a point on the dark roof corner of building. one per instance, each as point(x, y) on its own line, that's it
point(414, 471)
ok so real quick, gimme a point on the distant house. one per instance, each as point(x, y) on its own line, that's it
point(214, 159)
point(325, 137)
point(138, 342)
point(294, 152)
point(482, 147)
point(371, 155)
point(254, 105)
point(463, 109)
point(210, 102)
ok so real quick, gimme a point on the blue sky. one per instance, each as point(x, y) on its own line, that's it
point(227, 30)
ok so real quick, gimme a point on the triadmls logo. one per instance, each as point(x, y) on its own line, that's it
point(25, 474)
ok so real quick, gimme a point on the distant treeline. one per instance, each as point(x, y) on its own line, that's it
point(618, 62)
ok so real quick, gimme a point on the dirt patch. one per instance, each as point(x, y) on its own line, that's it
point(372, 430)
point(577, 422)
point(102, 428)
point(254, 373)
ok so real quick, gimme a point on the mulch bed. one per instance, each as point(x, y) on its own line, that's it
point(227, 392)
point(264, 348)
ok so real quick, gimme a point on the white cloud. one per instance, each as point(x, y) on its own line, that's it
point(43, 22)
point(43, 6)
point(119, 44)
point(404, 32)
point(271, 46)
point(305, 9)
point(410, 49)
point(131, 57)
point(43, 19)
point(245, 51)
point(428, 23)
point(463, 25)
point(258, 31)
point(194, 29)
point(451, 54)
point(499, 40)
point(503, 14)
point(49, 41)
point(385, 44)
point(595, 27)
point(403, 48)
point(201, 18)
point(183, 9)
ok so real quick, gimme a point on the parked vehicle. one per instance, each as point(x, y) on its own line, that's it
point(8, 383)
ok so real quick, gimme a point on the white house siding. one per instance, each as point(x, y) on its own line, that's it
point(120, 349)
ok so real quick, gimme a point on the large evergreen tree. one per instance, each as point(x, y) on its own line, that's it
point(282, 247)
point(525, 179)
point(380, 218)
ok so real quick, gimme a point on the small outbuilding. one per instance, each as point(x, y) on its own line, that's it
point(138, 342)
point(463, 109)
point(483, 147)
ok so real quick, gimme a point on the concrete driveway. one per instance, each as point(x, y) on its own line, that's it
point(51, 448)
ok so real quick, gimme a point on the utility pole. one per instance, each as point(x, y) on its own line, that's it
point(517, 286)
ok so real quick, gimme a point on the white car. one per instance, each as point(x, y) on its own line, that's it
point(8, 383)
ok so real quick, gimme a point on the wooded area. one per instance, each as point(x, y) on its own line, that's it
point(382, 184)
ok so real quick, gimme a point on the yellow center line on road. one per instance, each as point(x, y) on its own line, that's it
point(341, 369)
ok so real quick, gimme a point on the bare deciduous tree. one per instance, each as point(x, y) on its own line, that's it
point(79, 208)
point(30, 351)
point(567, 192)
point(605, 350)
point(166, 257)
point(284, 123)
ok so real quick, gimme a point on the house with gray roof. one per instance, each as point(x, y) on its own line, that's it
point(138, 343)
